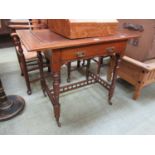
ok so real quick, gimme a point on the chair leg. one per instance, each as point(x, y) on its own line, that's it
point(42, 79)
point(22, 74)
point(48, 62)
point(49, 69)
point(83, 64)
point(68, 71)
point(110, 70)
point(99, 65)
point(137, 92)
point(23, 66)
point(20, 64)
point(102, 61)
point(78, 63)
point(26, 76)
point(87, 68)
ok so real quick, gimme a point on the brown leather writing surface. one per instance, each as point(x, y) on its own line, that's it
point(45, 39)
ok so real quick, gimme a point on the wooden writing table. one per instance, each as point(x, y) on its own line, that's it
point(65, 50)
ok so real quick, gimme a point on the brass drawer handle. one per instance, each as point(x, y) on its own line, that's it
point(110, 50)
point(80, 54)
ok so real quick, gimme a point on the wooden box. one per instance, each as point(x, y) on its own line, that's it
point(73, 28)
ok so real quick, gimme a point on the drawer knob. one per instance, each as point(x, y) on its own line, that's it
point(110, 50)
point(80, 54)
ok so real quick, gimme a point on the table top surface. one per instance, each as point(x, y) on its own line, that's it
point(37, 40)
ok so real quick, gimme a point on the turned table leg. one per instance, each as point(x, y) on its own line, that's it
point(10, 106)
point(56, 66)
point(56, 90)
point(56, 84)
point(114, 77)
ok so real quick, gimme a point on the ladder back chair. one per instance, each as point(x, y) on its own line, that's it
point(28, 61)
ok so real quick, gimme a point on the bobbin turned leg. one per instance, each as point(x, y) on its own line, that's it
point(114, 77)
point(56, 66)
point(56, 84)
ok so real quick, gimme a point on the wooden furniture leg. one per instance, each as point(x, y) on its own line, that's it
point(68, 71)
point(10, 106)
point(78, 63)
point(25, 72)
point(137, 92)
point(114, 77)
point(56, 84)
point(87, 68)
point(48, 62)
point(56, 87)
point(78, 66)
point(20, 64)
point(42, 79)
point(56, 66)
point(26, 76)
point(23, 66)
point(110, 69)
point(99, 65)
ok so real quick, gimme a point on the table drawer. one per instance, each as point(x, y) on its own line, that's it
point(90, 51)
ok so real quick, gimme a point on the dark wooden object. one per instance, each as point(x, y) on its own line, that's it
point(27, 24)
point(4, 26)
point(10, 106)
point(65, 50)
point(27, 64)
point(33, 24)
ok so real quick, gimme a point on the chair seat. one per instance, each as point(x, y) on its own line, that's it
point(28, 55)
